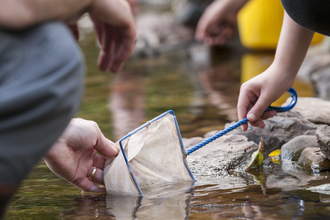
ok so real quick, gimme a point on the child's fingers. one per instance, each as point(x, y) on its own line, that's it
point(268, 114)
point(258, 123)
point(258, 108)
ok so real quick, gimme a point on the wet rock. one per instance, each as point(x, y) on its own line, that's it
point(224, 156)
point(323, 138)
point(278, 130)
point(313, 159)
point(302, 175)
point(292, 150)
point(313, 109)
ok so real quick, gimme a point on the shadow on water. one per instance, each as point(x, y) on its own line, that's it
point(201, 86)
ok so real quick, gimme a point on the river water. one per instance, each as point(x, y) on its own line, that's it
point(201, 86)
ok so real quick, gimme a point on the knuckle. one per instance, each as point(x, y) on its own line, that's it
point(77, 180)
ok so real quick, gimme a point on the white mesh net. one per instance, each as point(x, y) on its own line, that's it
point(155, 157)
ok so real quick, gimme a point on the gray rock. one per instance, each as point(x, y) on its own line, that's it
point(224, 156)
point(292, 150)
point(315, 70)
point(278, 130)
point(323, 138)
point(321, 82)
point(313, 159)
point(313, 109)
point(313, 64)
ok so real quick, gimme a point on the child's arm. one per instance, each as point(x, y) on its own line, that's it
point(259, 92)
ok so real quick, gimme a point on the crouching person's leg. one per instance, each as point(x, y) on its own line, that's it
point(41, 80)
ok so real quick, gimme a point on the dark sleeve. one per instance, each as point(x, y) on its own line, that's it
point(41, 82)
point(311, 14)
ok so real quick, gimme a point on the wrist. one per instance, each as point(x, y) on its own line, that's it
point(282, 74)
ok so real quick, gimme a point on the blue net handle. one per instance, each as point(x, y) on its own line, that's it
point(294, 97)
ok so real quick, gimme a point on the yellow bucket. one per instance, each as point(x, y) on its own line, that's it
point(260, 22)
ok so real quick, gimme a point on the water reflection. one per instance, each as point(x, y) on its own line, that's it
point(127, 102)
point(274, 196)
point(170, 201)
point(250, 203)
point(173, 206)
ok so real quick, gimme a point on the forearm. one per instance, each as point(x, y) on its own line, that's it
point(18, 14)
point(292, 48)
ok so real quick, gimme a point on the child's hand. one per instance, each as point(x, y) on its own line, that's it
point(258, 93)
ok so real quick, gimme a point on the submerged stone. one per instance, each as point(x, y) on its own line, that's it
point(291, 151)
point(313, 159)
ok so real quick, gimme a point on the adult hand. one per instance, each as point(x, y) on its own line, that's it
point(218, 22)
point(74, 156)
point(258, 93)
point(116, 31)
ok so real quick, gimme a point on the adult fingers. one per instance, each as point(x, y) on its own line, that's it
point(75, 30)
point(98, 26)
point(88, 186)
point(95, 175)
point(125, 42)
point(227, 33)
point(218, 35)
point(201, 28)
point(107, 48)
point(105, 147)
point(99, 161)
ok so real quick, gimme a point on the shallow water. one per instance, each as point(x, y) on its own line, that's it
point(201, 86)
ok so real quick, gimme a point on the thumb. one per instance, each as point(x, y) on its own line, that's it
point(105, 147)
point(258, 109)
